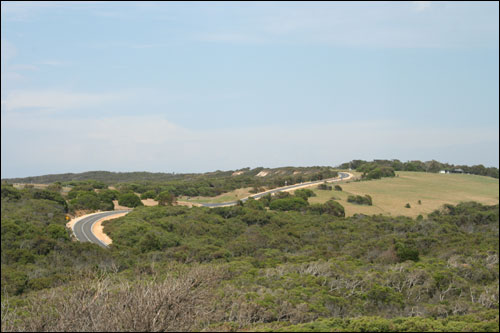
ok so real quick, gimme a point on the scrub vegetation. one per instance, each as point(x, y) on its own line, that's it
point(281, 263)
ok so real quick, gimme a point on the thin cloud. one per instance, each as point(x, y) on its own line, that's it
point(421, 5)
point(53, 100)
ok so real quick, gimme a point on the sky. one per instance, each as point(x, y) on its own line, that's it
point(198, 87)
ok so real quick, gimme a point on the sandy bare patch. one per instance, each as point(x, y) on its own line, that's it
point(97, 228)
point(262, 174)
point(150, 202)
point(188, 204)
point(236, 173)
point(118, 207)
point(23, 185)
point(296, 172)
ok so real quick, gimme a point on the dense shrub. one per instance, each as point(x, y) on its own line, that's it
point(330, 207)
point(360, 200)
point(406, 252)
point(129, 200)
point(10, 193)
point(324, 187)
point(165, 198)
point(292, 203)
point(304, 193)
point(151, 194)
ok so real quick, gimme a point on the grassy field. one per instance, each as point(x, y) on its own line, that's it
point(390, 195)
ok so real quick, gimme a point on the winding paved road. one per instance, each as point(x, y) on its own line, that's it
point(342, 175)
point(83, 228)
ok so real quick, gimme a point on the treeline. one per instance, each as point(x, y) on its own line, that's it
point(206, 184)
point(429, 166)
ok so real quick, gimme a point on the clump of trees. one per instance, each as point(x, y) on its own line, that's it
point(165, 198)
point(419, 166)
point(374, 171)
point(360, 200)
point(129, 200)
point(324, 187)
point(83, 197)
point(330, 207)
point(292, 203)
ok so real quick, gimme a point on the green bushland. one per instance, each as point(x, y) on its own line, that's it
point(37, 252)
point(208, 184)
point(250, 268)
point(360, 200)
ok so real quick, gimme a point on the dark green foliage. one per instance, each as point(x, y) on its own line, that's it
point(10, 193)
point(360, 200)
point(407, 205)
point(165, 198)
point(255, 204)
point(304, 193)
point(292, 203)
point(151, 194)
point(373, 171)
point(86, 200)
point(57, 231)
point(338, 188)
point(330, 207)
point(129, 200)
point(50, 195)
point(324, 187)
point(406, 252)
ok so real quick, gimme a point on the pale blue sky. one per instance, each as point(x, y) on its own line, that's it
point(195, 87)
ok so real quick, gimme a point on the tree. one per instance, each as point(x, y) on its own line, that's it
point(151, 194)
point(165, 198)
point(304, 193)
point(293, 203)
point(130, 200)
point(330, 207)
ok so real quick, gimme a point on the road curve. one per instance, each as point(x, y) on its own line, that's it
point(342, 175)
point(83, 228)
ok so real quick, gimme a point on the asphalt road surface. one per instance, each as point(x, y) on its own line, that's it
point(341, 176)
point(83, 228)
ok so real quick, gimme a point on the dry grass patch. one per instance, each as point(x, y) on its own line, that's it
point(225, 197)
point(390, 195)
